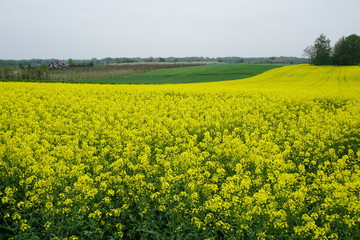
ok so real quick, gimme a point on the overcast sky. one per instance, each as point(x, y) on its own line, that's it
point(83, 29)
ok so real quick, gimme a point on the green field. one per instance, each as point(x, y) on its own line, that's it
point(205, 73)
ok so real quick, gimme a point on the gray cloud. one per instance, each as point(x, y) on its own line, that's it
point(131, 28)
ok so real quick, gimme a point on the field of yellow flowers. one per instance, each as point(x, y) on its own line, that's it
point(275, 156)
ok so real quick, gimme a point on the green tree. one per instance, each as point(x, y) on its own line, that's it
point(151, 59)
point(21, 65)
point(322, 51)
point(71, 63)
point(347, 51)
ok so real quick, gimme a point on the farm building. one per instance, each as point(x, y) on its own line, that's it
point(58, 65)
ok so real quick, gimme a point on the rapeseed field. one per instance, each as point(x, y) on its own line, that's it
point(275, 156)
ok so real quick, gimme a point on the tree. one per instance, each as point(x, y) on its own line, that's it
point(347, 51)
point(151, 59)
point(71, 63)
point(310, 53)
point(239, 60)
point(21, 65)
point(323, 51)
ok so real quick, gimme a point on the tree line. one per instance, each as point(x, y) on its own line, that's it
point(119, 60)
point(346, 51)
point(40, 72)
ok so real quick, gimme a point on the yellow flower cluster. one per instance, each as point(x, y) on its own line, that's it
point(271, 157)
